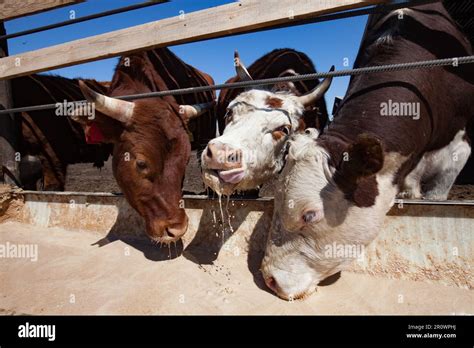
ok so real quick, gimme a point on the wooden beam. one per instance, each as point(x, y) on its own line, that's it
point(238, 17)
point(9, 130)
point(10, 9)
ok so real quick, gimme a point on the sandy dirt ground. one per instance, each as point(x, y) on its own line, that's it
point(462, 192)
point(84, 177)
point(74, 276)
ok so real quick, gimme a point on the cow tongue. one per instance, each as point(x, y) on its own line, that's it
point(233, 176)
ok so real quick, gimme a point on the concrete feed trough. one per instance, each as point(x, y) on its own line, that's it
point(93, 258)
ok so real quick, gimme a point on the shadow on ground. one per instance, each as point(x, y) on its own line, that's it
point(136, 237)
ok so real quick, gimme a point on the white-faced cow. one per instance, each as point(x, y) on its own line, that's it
point(258, 122)
point(151, 136)
point(395, 132)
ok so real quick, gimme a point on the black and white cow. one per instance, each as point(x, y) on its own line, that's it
point(394, 132)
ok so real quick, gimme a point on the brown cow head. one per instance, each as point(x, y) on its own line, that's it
point(151, 150)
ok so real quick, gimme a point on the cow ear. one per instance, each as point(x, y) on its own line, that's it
point(189, 112)
point(356, 173)
point(286, 86)
point(100, 130)
point(363, 158)
point(301, 125)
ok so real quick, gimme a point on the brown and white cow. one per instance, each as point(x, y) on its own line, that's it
point(337, 188)
point(151, 136)
point(258, 122)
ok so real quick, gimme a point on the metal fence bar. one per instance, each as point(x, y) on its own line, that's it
point(455, 61)
point(205, 197)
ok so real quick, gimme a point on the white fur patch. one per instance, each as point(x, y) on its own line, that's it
point(438, 170)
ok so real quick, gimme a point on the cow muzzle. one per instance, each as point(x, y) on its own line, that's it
point(288, 284)
point(225, 163)
point(223, 157)
point(166, 232)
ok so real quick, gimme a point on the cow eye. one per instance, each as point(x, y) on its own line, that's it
point(228, 116)
point(141, 164)
point(284, 129)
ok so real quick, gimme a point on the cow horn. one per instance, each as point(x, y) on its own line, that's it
point(195, 110)
point(317, 93)
point(240, 68)
point(117, 109)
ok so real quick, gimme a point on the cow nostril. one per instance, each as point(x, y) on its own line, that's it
point(170, 234)
point(271, 283)
point(209, 152)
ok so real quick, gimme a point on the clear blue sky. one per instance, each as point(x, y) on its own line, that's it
point(326, 43)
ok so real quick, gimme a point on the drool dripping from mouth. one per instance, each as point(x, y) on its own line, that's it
point(223, 182)
point(225, 219)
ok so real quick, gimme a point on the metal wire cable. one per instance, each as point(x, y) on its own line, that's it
point(83, 19)
point(455, 61)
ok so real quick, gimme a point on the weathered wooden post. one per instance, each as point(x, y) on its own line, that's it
point(9, 131)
